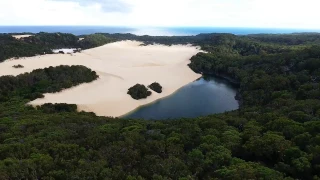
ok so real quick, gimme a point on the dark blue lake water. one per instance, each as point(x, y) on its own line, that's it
point(208, 95)
point(170, 31)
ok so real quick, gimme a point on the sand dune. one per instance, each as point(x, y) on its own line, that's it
point(21, 36)
point(120, 65)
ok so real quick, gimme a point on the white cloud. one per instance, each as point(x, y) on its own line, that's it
point(218, 13)
point(106, 5)
point(46, 12)
point(228, 13)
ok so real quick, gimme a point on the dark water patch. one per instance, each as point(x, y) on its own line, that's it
point(208, 95)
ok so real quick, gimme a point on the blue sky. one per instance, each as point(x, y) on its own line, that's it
point(302, 14)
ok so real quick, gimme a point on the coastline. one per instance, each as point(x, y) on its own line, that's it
point(119, 65)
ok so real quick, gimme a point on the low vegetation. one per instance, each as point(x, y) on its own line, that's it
point(139, 91)
point(18, 66)
point(77, 50)
point(156, 87)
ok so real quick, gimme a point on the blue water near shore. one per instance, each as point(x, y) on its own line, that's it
point(207, 95)
point(170, 31)
point(76, 30)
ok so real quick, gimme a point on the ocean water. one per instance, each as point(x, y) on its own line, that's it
point(187, 31)
point(76, 30)
point(208, 95)
point(169, 31)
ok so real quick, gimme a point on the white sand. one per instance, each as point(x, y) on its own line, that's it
point(65, 50)
point(120, 65)
point(21, 36)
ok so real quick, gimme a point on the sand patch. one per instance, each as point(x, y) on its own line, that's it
point(120, 65)
point(21, 36)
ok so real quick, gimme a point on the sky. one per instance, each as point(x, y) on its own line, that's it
point(303, 14)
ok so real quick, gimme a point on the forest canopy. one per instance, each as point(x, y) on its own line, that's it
point(43, 43)
point(49, 80)
point(274, 135)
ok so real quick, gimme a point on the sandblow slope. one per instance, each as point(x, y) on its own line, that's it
point(120, 65)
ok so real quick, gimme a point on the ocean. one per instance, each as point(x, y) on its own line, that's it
point(170, 31)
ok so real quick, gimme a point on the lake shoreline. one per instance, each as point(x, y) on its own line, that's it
point(205, 96)
point(236, 83)
point(153, 102)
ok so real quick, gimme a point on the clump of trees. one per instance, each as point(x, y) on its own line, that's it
point(57, 108)
point(94, 40)
point(18, 66)
point(156, 87)
point(49, 80)
point(139, 91)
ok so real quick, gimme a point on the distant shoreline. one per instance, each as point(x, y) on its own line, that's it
point(153, 31)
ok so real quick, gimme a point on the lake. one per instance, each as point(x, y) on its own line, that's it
point(207, 95)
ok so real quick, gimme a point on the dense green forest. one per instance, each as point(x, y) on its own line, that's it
point(49, 80)
point(274, 135)
point(43, 43)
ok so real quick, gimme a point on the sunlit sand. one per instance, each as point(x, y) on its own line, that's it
point(120, 65)
point(21, 36)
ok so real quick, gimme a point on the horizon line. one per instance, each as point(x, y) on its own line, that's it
point(137, 27)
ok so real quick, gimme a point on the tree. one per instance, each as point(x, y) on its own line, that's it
point(156, 87)
point(270, 146)
point(139, 91)
point(248, 170)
